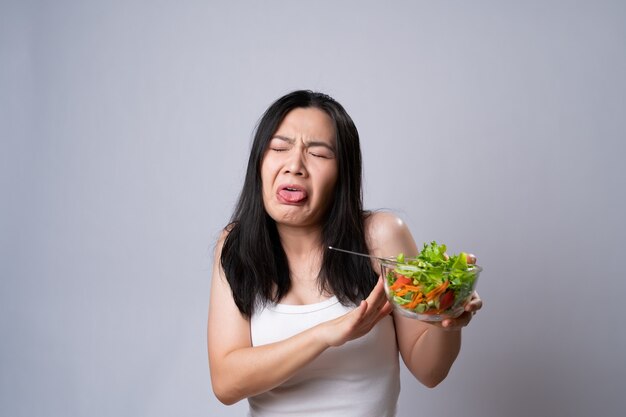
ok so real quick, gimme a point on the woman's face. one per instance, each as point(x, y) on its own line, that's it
point(299, 168)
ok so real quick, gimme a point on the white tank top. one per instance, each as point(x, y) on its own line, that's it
point(360, 378)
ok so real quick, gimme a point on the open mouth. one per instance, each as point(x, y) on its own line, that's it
point(292, 194)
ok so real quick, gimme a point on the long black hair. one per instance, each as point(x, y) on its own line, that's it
point(253, 258)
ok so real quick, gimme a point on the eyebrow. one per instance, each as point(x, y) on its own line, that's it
point(308, 144)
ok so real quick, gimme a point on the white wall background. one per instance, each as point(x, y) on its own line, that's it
point(496, 127)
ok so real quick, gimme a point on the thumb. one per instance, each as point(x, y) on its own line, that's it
point(359, 312)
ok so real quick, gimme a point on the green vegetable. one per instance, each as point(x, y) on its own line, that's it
point(436, 284)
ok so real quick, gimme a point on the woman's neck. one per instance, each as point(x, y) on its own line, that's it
point(299, 242)
point(304, 250)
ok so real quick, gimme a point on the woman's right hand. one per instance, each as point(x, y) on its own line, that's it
point(240, 370)
point(359, 321)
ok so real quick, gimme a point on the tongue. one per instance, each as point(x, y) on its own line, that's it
point(292, 196)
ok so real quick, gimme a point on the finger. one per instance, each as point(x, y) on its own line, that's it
point(377, 290)
point(475, 303)
point(382, 310)
point(377, 306)
point(473, 306)
point(377, 297)
point(377, 312)
point(377, 316)
point(457, 323)
point(360, 311)
point(370, 318)
point(387, 309)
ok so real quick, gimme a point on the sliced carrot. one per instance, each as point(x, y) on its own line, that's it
point(402, 291)
point(437, 291)
point(415, 301)
point(406, 289)
point(400, 282)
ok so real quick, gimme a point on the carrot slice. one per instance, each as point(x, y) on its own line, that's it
point(437, 291)
point(400, 282)
point(402, 292)
point(418, 298)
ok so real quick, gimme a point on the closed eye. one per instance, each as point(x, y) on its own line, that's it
point(320, 155)
point(321, 150)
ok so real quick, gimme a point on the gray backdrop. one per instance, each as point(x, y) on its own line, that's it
point(496, 127)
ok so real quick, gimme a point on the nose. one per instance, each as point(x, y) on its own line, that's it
point(295, 164)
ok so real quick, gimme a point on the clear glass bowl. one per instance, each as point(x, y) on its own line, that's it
point(414, 299)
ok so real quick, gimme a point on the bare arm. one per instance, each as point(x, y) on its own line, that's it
point(239, 370)
point(428, 350)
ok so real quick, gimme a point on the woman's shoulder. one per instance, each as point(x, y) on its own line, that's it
point(225, 232)
point(382, 221)
point(221, 239)
point(386, 232)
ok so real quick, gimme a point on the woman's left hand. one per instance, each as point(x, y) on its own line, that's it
point(463, 320)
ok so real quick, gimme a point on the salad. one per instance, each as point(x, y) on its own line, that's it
point(433, 283)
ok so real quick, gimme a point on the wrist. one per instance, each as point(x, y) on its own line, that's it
point(322, 335)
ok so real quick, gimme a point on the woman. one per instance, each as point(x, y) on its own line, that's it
point(294, 327)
